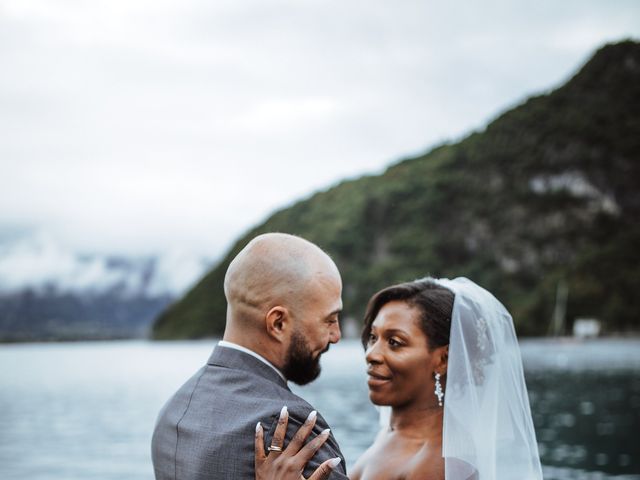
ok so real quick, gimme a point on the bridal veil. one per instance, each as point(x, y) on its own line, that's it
point(487, 430)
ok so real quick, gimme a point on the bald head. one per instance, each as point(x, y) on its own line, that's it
point(283, 302)
point(273, 269)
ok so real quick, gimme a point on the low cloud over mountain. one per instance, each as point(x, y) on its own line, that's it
point(49, 292)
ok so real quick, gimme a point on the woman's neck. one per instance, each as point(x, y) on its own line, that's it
point(417, 421)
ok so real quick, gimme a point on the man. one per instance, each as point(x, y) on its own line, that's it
point(283, 301)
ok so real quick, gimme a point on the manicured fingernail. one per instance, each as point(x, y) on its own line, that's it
point(258, 427)
point(283, 412)
point(325, 432)
point(334, 462)
point(312, 415)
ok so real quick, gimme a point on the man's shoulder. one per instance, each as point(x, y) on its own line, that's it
point(213, 417)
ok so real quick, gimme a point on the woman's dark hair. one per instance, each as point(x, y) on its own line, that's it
point(434, 302)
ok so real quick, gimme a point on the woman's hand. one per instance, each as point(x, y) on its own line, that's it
point(288, 463)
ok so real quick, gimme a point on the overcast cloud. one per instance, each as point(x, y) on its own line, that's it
point(142, 127)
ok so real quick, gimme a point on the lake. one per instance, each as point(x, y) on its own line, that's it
point(86, 410)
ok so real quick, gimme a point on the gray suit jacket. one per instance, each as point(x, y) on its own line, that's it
point(206, 430)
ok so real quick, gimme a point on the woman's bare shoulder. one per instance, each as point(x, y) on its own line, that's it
point(357, 471)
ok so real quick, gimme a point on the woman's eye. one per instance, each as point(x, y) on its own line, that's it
point(394, 343)
point(372, 338)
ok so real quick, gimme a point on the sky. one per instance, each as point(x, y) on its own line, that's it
point(139, 127)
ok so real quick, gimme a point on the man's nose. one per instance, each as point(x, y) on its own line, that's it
point(335, 335)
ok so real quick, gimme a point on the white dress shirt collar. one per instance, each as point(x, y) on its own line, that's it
point(224, 343)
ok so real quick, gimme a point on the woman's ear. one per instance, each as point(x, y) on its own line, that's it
point(277, 322)
point(442, 359)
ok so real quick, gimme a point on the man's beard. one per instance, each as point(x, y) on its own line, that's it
point(301, 367)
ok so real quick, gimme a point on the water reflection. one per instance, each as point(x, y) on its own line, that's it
point(585, 399)
point(587, 419)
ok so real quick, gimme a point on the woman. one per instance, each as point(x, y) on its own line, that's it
point(444, 365)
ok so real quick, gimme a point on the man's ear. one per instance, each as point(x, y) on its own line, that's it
point(278, 322)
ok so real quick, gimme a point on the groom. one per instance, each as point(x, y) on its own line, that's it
point(283, 300)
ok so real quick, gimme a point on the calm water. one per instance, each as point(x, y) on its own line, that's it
point(86, 410)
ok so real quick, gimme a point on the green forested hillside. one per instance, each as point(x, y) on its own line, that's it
point(549, 192)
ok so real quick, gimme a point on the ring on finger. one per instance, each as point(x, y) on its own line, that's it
point(274, 448)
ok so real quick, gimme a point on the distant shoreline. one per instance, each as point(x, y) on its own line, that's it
point(115, 338)
point(97, 338)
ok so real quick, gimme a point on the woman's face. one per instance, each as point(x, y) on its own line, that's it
point(400, 366)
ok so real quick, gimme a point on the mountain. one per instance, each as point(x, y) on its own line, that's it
point(49, 293)
point(30, 315)
point(546, 195)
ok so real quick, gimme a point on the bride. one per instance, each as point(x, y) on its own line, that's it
point(445, 369)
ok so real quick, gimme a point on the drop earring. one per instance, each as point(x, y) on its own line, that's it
point(438, 391)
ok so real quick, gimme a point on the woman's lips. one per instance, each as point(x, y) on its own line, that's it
point(376, 379)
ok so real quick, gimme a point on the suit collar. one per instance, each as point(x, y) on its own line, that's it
point(236, 359)
point(224, 343)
